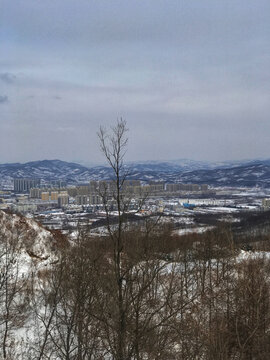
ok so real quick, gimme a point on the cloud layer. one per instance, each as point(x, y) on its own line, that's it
point(191, 78)
point(3, 99)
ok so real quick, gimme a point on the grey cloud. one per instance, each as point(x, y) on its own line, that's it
point(208, 23)
point(3, 99)
point(194, 71)
point(8, 78)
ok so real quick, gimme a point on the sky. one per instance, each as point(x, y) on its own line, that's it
point(191, 78)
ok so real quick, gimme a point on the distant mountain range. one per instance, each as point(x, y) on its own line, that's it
point(247, 173)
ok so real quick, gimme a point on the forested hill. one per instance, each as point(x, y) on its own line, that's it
point(252, 173)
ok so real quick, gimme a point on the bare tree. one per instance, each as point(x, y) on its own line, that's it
point(75, 332)
point(113, 146)
point(13, 285)
point(140, 287)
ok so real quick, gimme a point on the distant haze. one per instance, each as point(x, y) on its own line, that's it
point(190, 77)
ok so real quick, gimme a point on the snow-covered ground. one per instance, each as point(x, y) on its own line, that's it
point(197, 230)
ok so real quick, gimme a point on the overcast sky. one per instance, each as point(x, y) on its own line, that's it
point(192, 78)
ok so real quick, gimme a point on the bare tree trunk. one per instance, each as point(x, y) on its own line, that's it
point(113, 147)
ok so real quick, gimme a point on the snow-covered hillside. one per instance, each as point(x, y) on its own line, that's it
point(27, 251)
point(249, 173)
point(30, 238)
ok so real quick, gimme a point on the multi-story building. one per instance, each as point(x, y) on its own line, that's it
point(172, 187)
point(195, 187)
point(266, 203)
point(93, 186)
point(131, 183)
point(186, 187)
point(54, 195)
point(25, 207)
point(72, 191)
point(82, 200)
point(22, 185)
point(107, 187)
point(63, 199)
point(35, 193)
point(156, 186)
point(45, 196)
point(95, 199)
point(83, 190)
